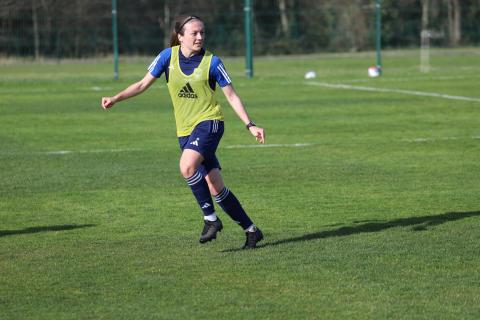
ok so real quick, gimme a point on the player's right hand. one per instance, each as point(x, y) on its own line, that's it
point(107, 102)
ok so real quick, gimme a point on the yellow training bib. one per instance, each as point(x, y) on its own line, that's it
point(193, 99)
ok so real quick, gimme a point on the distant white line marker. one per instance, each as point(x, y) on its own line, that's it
point(245, 146)
point(238, 146)
point(438, 139)
point(62, 152)
point(235, 146)
point(373, 89)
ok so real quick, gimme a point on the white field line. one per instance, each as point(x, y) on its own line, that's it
point(235, 146)
point(62, 152)
point(53, 90)
point(238, 146)
point(248, 146)
point(50, 90)
point(438, 139)
point(386, 90)
point(439, 78)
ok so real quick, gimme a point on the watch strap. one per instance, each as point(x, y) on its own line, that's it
point(250, 124)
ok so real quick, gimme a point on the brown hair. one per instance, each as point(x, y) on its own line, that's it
point(179, 26)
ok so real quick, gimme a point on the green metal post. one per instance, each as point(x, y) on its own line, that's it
point(115, 39)
point(248, 39)
point(378, 34)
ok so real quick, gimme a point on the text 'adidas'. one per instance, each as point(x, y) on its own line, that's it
point(187, 92)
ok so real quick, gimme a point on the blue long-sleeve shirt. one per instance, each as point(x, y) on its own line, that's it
point(218, 73)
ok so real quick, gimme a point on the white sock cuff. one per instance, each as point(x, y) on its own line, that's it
point(211, 217)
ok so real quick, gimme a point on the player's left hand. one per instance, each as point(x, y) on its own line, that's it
point(258, 133)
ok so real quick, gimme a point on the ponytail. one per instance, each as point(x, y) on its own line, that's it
point(179, 26)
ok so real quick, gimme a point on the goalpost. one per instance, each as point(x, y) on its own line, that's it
point(248, 39)
point(115, 39)
point(425, 40)
point(378, 35)
point(425, 35)
point(425, 51)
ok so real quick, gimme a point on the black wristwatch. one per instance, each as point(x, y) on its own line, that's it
point(250, 124)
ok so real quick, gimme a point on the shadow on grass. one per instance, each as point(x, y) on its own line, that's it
point(65, 227)
point(418, 224)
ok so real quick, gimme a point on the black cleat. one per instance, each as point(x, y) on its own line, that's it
point(210, 230)
point(252, 238)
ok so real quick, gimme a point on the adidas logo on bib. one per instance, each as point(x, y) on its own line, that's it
point(187, 92)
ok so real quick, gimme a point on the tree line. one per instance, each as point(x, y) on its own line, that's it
point(79, 28)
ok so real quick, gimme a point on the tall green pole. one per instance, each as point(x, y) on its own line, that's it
point(115, 39)
point(248, 39)
point(378, 34)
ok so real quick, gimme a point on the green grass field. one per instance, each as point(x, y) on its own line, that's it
point(367, 193)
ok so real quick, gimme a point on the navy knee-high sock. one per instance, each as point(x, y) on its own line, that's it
point(230, 204)
point(200, 190)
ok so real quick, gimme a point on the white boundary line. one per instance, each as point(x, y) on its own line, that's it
point(409, 92)
point(237, 146)
point(56, 90)
point(438, 139)
point(234, 146)
point(62, 152)
point(248, 146)
point(439, 78)
point(45, 90)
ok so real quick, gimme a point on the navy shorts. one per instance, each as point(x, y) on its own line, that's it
point(205, 139)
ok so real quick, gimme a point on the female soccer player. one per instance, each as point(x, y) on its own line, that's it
point(192, 73)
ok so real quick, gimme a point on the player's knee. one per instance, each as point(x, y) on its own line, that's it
point(187, 169)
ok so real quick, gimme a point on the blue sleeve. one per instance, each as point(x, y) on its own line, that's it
point(161, 63)
point(218, 72)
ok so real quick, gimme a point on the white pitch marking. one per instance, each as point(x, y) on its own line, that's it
point(438, 139)
point(410, 92)
point(440, 78)
point(62, 152)
point(294, 145)
point(44, 90)
point(238, 146)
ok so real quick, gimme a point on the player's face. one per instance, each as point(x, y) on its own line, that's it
point(193, 36)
